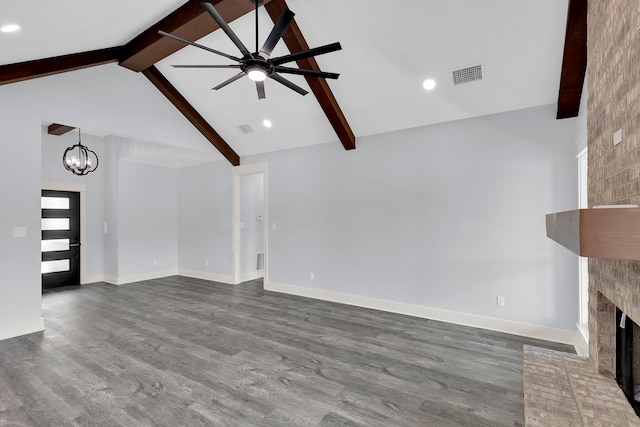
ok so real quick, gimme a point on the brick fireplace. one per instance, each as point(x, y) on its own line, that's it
point(613, 74)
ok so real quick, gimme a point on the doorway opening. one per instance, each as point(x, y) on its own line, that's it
point(249, 223)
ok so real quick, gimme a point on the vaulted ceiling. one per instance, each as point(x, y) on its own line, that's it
point(388, 50)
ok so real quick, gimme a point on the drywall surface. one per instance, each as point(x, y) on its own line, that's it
point(20, 287)
point(204, 219)
point(147, 220)
point(448, 216)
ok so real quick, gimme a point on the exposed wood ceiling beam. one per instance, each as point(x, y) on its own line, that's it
point(296, 42)
point(190, 21)
point(191, 114)
point(59, 129)
point(12, 73)
point(574, 60)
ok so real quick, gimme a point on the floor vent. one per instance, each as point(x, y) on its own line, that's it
point(246, 129)
point(467, 74)
point(260, 261)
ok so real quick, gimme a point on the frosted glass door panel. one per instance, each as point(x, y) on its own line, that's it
point(55, 203)
point(55, 266)
point(55, 245)
point(55, 223)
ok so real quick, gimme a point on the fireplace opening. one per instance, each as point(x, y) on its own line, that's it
point(628, 366)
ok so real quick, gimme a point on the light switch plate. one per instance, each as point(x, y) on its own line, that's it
point(19, 231)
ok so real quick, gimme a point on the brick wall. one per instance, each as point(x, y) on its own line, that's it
point(613, 73)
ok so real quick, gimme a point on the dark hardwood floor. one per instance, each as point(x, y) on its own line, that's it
point(187, 352)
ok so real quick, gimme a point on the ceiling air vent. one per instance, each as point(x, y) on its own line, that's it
point(467, 74)
point(245, 129)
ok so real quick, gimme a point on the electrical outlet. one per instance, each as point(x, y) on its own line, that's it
point(312, 276)
point(206, 262)
point(155, 262)
point(500, 301)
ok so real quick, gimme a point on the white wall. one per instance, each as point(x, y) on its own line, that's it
point(147, 221)
point(204, 221)
point(251, 203)
point(20, 286)
point(446, 217)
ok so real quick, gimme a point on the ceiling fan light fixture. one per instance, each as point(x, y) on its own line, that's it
point(257, 74)
point(259, 65)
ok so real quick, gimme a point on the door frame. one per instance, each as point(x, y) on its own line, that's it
point(82, 189)
point(583, 262)
point(236, 233)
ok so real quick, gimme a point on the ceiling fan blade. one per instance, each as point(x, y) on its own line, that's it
point(307, 53)
point(312, 73)
point(226, 28)
point(185, 41)
point(276, 33)
point(228, 81)
point(288, 84)
point(207, 66)
point(260, 87)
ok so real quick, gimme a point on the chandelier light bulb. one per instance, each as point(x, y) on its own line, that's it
point(78, 159)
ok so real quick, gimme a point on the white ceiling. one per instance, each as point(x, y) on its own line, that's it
point(389, 48)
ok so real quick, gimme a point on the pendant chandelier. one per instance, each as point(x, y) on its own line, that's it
point(78, 159)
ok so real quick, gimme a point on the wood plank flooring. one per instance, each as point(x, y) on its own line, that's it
point(188, 352)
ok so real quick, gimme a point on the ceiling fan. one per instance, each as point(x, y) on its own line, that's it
point(259, 65)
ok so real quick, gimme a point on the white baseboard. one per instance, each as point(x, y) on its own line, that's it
point(110, 279)
point(252, 276)
point(123, 280)
point(92, 279)
point(491, 323)
point(207, 276)
point(21, 328)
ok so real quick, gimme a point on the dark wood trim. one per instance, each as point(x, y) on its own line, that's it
point(12, 73)
point(296, 42)
point(59, 129)
point(612, 233)
point(172, 94)
point(190, 21)
point(574, 60)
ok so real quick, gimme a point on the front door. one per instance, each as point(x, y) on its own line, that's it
point(60, 239)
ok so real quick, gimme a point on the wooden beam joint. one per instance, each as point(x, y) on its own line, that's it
point(59, 129)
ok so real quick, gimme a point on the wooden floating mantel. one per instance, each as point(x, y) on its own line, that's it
point(612, 233)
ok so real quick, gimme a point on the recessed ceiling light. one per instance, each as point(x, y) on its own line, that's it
point(10, 28)
point(267, 123)
point(429, 84)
